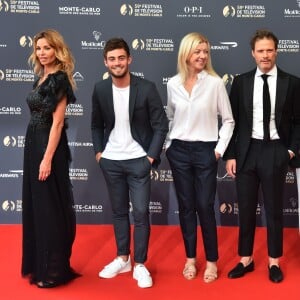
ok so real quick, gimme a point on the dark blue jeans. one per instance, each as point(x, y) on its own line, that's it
point(129, 181)
point(194, 169)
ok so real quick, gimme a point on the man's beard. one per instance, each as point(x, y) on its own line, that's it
point(118, 75)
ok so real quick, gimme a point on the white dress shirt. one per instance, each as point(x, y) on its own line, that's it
point(194, 117)
point(258, 129)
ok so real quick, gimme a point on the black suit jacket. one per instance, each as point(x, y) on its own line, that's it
point(287, 115)
point(148, 121)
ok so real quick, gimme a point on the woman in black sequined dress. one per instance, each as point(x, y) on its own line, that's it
point(48, 217)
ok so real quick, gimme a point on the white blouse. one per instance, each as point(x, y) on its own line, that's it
point(195, 117)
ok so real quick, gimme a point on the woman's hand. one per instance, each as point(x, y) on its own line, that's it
point(218, 155)
point(45, 169)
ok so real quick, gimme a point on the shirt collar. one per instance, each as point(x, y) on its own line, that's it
point(272, 72)
point(202, 74)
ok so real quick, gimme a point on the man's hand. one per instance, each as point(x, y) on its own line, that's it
point(150, 159)
point(292, 154)
point(98, 156)
point(231, 167)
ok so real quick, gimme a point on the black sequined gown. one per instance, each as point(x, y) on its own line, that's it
point(48, 216)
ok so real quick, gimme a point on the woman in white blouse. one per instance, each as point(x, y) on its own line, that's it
point(196, 97)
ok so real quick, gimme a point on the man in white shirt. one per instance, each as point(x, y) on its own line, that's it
point(129, 127)
point(266, 108)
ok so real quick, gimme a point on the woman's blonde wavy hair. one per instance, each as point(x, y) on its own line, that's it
point(64, 58)
point(187, 46)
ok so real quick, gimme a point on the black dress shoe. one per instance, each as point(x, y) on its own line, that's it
point(239, 270)
point(275, 274)
point(47, 284)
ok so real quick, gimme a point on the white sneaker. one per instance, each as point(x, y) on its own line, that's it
point(142, 275)
point(117, 266)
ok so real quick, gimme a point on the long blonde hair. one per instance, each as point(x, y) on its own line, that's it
point(187, 46)
point(64, 58)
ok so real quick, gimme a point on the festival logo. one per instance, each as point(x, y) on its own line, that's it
point(139, 74)
point(4, 6)
point(250, 11)
point(105, 75)
point(80, 144)
point(25, 41)
point(19, 75)
point(154, 175)
point(138, 44)
point(247, 11)
point(142, 10)
point(226, 208)
point(153, 44)
point(75, 109)
point(288, 46)
point(24, 7)
point(290, 177)
point(228, 11)
point(228, 79)
point(78, 174)
point(126, 10)
point(10, 206)
point(162, 175)
point(155, 207)
point(2, 75)
point(11, 141)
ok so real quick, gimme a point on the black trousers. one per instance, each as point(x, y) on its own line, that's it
point(194, 169)
point(129, 181)
point(266, 165)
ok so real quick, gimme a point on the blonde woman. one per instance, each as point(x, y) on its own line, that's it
point(196, 97)
point(48, 216)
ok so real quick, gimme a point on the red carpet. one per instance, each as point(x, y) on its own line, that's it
point(95, 246)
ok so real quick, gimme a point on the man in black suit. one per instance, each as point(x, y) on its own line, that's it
point(264, 142)
point(129, 127)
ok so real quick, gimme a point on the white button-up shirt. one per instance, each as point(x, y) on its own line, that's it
point(258, 129)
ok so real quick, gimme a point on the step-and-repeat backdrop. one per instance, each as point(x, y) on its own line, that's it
point(153, 29)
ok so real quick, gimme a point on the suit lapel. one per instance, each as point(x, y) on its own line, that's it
point(248, 96)
point(109, 100)
point(281, 92)
point(132, 96)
